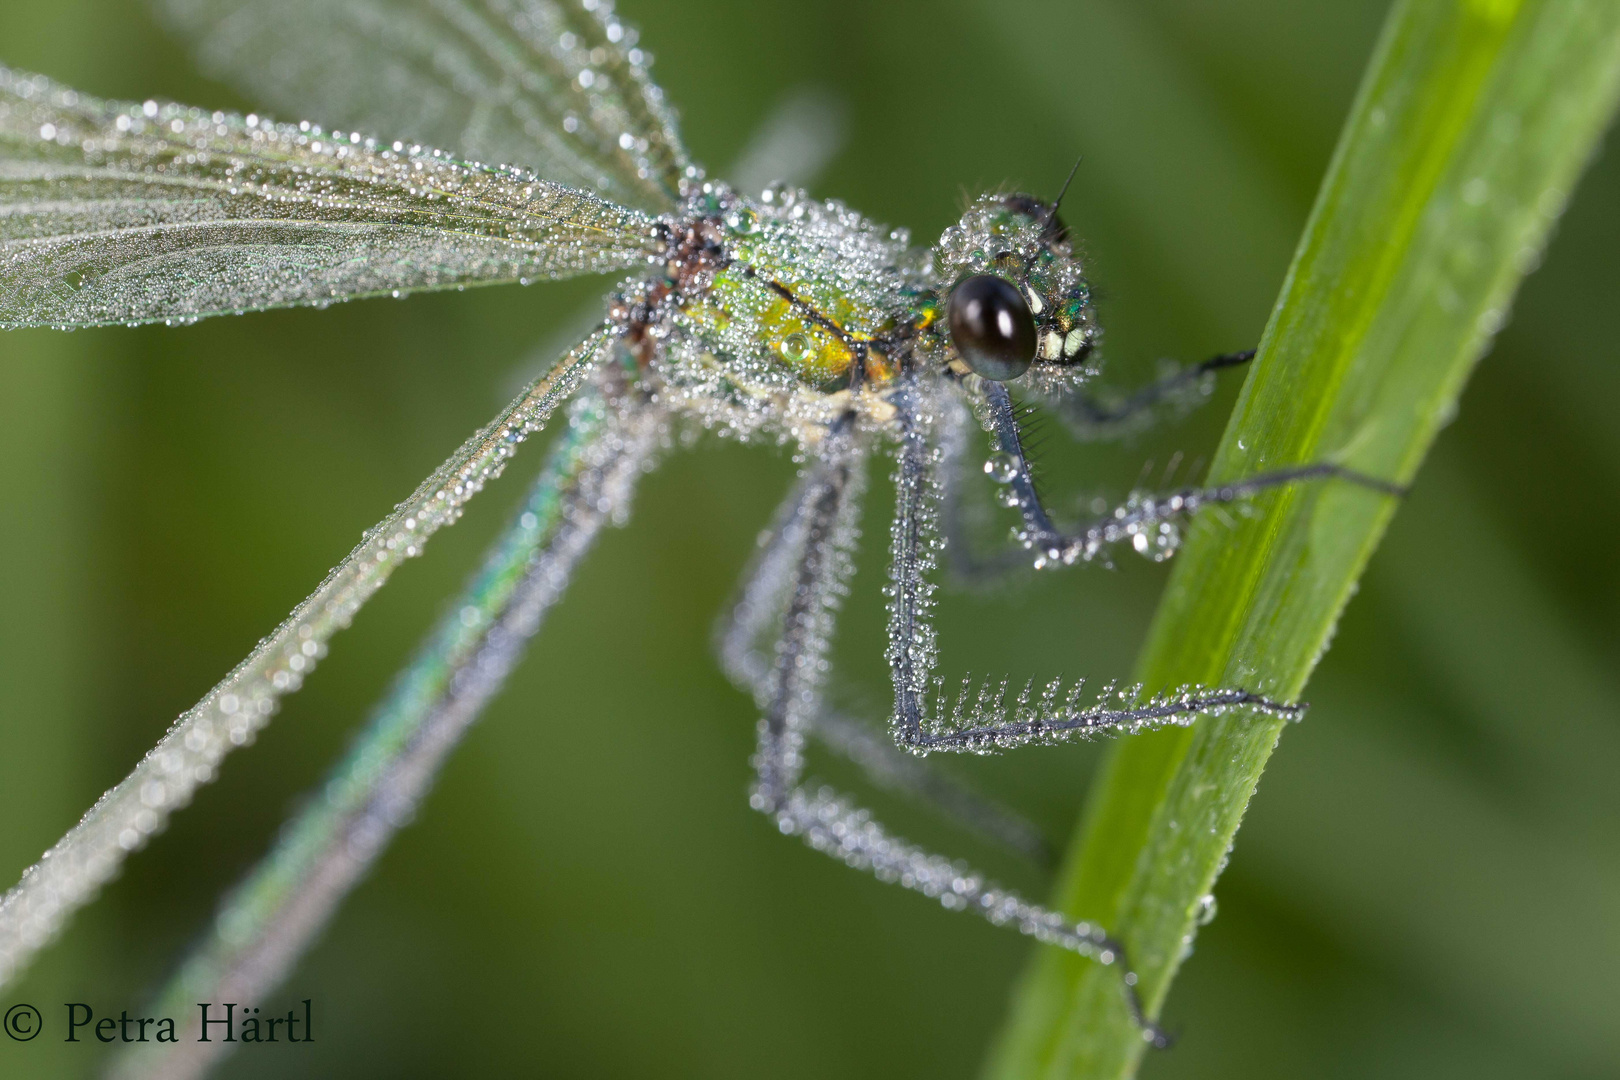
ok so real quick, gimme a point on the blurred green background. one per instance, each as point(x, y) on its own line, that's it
point(1426, 884)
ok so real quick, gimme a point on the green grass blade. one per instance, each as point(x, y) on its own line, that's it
point(1470, 129)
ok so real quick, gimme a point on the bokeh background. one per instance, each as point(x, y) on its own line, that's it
point(1427, 884)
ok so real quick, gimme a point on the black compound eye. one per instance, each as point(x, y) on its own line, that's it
point(991, 327)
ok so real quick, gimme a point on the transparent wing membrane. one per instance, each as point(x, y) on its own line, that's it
point(128, 213)
point(274, 915)
point(556, 86)
point(189, 755)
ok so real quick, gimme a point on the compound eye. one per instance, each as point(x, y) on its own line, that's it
point(991, 327)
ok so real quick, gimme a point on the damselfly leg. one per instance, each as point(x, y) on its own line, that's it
point(832, 823)
point(749, 640)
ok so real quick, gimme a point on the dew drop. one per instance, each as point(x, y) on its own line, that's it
point(1001, 467)
point(1206, 909)
point(796, 348)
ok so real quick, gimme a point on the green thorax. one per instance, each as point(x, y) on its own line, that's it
point(810, 288)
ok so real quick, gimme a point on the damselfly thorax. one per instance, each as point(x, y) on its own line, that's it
point(784, 314)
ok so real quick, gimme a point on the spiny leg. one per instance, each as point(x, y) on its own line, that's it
point(1057, 712)
point(748, 640)
point(892, 769)
point(1090, 416)
point(835, 825)
point(921, 720)
point(273, 915)
point(1147, 523)
point(792, 694)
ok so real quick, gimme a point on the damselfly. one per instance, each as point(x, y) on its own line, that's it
point(767, 316)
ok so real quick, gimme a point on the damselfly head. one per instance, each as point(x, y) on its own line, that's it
point(1017, 299)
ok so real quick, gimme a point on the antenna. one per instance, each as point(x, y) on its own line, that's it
point(1052, 216)
point(1064, 190)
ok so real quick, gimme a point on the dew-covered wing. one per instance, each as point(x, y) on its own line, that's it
point(557, 86)
point(129, 213)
